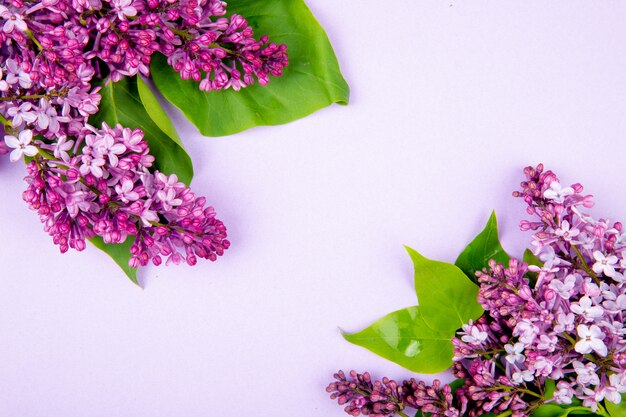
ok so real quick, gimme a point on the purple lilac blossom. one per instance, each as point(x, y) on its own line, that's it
point(87, 181)
point(559, 324)
point(108, 190)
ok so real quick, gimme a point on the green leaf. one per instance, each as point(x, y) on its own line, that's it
point(156, 112)
point(447, 298)
point(404, 337)
point(484, 247)
point(616, 410)
point(531, 259)
point(564, 410)
point(419, 338)
point(120, 253)
point(311, 81)
point(549, 388)
point(121, 103)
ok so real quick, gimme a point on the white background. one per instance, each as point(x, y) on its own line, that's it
point(450, 100)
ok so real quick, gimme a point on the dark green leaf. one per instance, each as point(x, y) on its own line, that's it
point(404, 337)
point(456, 384)
point(549, 388)
point(484, 247)
point(120, 254)
point(122, 104)
point(311, 81)
point(447, 298)
point(531, 259)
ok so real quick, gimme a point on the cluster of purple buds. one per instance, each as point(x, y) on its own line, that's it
point(63, 36)
point(552, 333)
point(108, 190)
point(387, 397)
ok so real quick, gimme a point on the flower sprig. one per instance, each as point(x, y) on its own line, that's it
point(89, 181)
point(551, 339)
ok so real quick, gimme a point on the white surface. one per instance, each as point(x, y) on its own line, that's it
point(450, 100)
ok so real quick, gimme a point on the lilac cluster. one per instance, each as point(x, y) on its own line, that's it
point(52, 50)
point(387, 397)
point(85, 181)
point(108, 190)
point(120, 36)
point(552, 332)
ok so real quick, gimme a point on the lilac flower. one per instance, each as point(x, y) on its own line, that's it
point(604, 264)
point(566, 232)
point(22, 145)
point(81, 196)
point(563, 393)
point(514, 353)
point(586, 308)
point(591, 339)
point(564, 288)
point(557, 193)
point(564, 324)
point(62, 147)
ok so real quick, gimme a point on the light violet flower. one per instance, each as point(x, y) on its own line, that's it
point(564, 289)
point(604, 264)
point(124, 8)
point(514, 353)
point(586, 308)
point(557, 193)
point(22, 114)
point(126, 192)
point(547, 343)
point(566, 232)
point(519, 377)
point(62, 147)
point(586, 373)
point(474, 334)
point(591, 339)
point(21, 145)
point(13, 21)
point(563, 393)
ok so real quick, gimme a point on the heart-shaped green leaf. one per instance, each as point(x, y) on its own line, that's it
point(311, 81)
point(484, 247)
point(404, 337)
point(447, 298)
point(419, 338)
